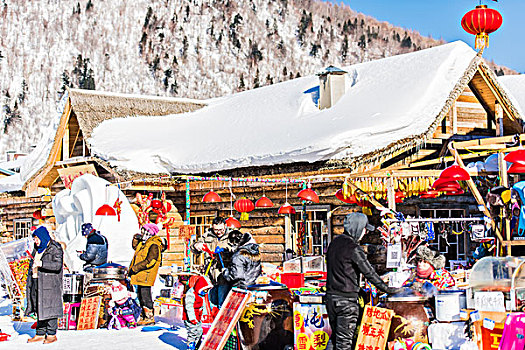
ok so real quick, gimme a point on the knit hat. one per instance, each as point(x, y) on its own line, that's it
point(432, 257)
point(44, 237)
point(151, 228)
point(87, 228)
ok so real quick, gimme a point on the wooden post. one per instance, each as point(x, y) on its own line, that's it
point(499, 119)
point(502, 164)
point(454, 118)
point(65, 144)
point(391, 193)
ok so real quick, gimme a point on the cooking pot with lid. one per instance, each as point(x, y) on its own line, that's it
point(110, 271)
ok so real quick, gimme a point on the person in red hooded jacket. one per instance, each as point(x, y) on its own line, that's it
point(193, 303)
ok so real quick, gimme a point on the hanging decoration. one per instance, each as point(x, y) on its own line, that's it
point(211, 197)
point(399, 196)
point(517, 156)
point(455, 172)
point(264, 202)
point(106, 209)
point(351, 199)
point(233, 223)
point(37, 214)
point(244, 206)
point(376, 186)
point(286, 208)
point(308, 194)
point(118, 208)
point(481, 22)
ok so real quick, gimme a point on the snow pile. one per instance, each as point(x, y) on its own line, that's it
point(515, 84)
point(386, 100)
point(74, 207)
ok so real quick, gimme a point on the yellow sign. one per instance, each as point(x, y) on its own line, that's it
point(375, 325)
point(303, 343)
point(319, 340)
point(68, 175)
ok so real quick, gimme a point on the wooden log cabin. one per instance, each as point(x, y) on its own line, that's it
point(392, 118)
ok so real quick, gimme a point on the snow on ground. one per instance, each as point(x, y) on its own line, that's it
point(163, 338)
point(386, 100)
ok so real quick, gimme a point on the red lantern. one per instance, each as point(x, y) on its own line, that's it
point(244, 206)
point(156, 203)
point(211, 197)
point(516, 168)
point(481, 22)
point(350, 200)
point(286, 209)
point(399, 196)
point(448, 189)
point(264, 202)
point(455, 172)
point(444, 182)
point(233, 222)
point(517, 156)
point(308, 195)
point(37, 214)
point(429, 194)
point(106, 210)
point(454, 193)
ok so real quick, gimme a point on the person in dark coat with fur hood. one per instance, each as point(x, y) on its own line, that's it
point(96, 253)
point(245, 266)
point(346, 261)
point(44, 286)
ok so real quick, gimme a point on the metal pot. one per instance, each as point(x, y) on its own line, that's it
point(73, 283)
point(110, 271)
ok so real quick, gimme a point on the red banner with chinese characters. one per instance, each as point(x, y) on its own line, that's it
point(373, 332)
point(88, 315)
point(226, 319)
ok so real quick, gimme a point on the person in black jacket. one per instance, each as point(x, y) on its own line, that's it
point(346, 260)
point(96, 253)
point(44, 286)
point(245, 266)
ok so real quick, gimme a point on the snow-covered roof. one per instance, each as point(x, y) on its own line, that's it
point(515, 86)
point(386, 101)
point(11, 183)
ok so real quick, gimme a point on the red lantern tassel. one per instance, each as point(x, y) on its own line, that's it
point(244, 216)
point(482, 41)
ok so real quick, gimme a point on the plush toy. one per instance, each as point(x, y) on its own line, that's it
point(122, 307)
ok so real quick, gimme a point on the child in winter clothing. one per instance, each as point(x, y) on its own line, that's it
point(193, 303)
point(122, 307)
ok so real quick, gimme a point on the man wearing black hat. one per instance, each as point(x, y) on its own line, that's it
point(346, 260)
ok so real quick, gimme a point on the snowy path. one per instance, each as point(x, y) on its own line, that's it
point(95, 339)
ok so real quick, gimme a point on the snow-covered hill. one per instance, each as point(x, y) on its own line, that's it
point(197, 49)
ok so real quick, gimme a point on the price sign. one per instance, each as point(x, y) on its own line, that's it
point(375, 325)
point(89, 310)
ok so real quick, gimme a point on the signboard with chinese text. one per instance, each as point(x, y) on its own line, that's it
point(186, 231)
point(89, 312)
point(375, 325)
point(68, 175)
point(226, 319)
point(311, 327)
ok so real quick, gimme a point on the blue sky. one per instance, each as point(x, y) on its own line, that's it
point(442, 19)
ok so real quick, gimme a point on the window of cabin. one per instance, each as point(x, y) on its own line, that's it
point(453, 246)
point(22, 228)
point(316, 231)
point(201, 223)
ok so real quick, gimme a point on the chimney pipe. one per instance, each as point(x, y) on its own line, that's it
point(331, 86)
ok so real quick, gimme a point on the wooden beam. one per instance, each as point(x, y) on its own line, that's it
point(65, 143)
point(500, 131)
point(454, 118)
point(488, 141)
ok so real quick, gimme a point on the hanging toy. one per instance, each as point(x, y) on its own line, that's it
point(430, 231)
point(118, 208)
